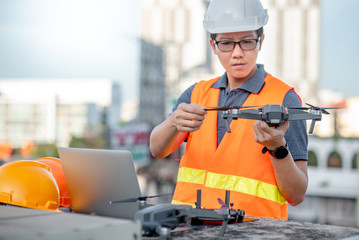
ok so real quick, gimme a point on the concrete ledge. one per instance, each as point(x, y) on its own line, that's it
point(272, 229)
point(22, 223)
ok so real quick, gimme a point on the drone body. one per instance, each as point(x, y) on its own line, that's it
point(273, 114)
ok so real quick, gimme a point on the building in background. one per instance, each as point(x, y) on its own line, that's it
point(291, 46)
point(53, 110)
point(333, 189)
point(176, 27)
point(152, 84)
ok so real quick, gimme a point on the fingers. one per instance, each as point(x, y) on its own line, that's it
point(261, 131)
point(189, 117)
point(192, 111)
point(269, 136)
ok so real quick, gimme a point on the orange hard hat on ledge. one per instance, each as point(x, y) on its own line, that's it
point(58, 173)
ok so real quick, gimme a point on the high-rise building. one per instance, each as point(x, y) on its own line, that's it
point(152, 84)
point(176, 27)
point(291, 46)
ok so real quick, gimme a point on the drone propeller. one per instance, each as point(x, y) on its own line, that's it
point(143, 198)
point(217, 108)
point(323, 109)
point(227, 108)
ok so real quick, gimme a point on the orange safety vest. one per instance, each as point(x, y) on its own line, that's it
point(237, 164)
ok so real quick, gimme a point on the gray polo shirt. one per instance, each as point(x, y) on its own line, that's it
point(296, 136)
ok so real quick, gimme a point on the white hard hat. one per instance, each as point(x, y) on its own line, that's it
point(234, 16)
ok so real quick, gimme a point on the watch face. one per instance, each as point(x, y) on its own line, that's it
point(281, 152)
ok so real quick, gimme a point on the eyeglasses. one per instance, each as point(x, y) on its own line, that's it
point(245, 45)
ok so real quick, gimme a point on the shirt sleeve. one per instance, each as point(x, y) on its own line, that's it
point(296, 136)
point(185, 97)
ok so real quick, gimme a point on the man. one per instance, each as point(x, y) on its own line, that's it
point(215, 161)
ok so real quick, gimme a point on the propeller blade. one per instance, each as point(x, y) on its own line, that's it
point(217, 108)
point(220, 201)
point(324, 111)
point(160, 195)
point(143, 198)
point(223, 205)
point(125, 200)
point(310, 105)
point(324, 108)
point(228, 108)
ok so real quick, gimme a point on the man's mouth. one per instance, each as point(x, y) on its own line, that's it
point(238, 64)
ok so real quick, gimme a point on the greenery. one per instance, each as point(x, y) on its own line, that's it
point(45, 150)
point(88, 142)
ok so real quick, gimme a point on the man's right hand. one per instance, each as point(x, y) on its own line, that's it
point(188, 117)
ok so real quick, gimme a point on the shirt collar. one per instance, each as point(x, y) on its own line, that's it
point(253, 85)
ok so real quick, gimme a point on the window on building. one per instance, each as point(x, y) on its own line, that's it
point(334, 160)
point(355, 161)
point(312, 159)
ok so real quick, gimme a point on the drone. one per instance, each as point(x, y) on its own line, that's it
point(159, 220)
point(272, 114)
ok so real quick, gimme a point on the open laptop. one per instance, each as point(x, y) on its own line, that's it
point(95, 177)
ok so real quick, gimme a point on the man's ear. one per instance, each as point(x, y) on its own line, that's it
point(260, 44)
point(211, 42)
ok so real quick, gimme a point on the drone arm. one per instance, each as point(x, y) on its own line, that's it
point(249, 115)
point(300, 116)
point(316, 116)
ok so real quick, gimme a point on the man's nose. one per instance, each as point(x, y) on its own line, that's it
point(237, 51)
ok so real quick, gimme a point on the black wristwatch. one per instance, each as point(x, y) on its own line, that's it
point(279, 153)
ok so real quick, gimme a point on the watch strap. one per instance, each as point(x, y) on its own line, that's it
point(274, 152)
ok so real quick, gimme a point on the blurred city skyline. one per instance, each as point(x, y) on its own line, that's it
point(100, 39)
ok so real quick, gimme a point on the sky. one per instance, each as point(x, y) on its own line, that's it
point(71, 39)
point(99, 39)
point(339, 46)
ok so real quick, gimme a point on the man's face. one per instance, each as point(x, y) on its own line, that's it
point(240, 64)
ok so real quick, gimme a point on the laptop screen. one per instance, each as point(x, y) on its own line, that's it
point(96, 176)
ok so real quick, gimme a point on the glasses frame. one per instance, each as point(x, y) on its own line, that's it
point(239, 44)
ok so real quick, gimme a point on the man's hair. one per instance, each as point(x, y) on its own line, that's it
point(259, 33)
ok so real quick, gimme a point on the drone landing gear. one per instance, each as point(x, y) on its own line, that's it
point(221, 216)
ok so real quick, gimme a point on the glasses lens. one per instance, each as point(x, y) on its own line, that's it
point(248, 44)
point(226, 46)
